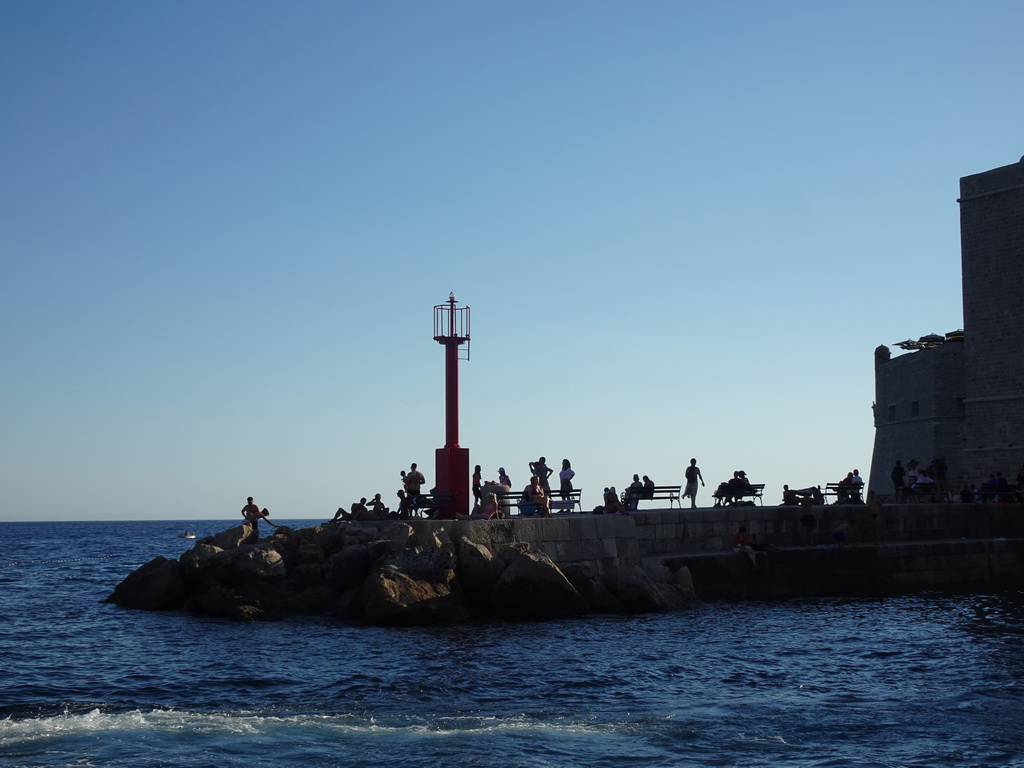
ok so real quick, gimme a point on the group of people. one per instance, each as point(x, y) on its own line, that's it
point(537, 495)
point(733, 490)
point(929, 483)
point(996, 488)
point(364, 510)
point(850, 489)
point(637, 490)
point(253, 514)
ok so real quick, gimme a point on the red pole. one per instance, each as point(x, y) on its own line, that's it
point(451, 380)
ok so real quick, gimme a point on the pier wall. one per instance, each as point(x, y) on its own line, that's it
point(925, 545)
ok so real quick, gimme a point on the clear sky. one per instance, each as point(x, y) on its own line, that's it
point(682, 228)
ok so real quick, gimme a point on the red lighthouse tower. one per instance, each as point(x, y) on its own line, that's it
point(451, 330)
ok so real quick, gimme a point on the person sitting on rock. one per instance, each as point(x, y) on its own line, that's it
point(405, 506)
point(377, 507)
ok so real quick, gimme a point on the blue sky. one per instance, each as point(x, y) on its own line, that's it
point(682, 228)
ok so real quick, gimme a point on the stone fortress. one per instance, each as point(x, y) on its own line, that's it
point(961, 396)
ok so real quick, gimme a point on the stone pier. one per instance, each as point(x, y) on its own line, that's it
point(926, 545)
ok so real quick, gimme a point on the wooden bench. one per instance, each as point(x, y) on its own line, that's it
point(658, 493)
point(755, 491)
point(845, 493)
point(433, 504)
point(557, 502)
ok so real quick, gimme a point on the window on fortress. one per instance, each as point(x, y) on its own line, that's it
point(915, 408)
point(892, 413)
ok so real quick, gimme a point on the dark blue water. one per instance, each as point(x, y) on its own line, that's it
point(926, 680)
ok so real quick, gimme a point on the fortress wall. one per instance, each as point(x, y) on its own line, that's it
point(919, 413)
point(992, 269)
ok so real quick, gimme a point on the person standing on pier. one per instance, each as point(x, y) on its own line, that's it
point(413, 480)
point(565, 477)
point(541, 469)
point(692, 476)
point(896, 475)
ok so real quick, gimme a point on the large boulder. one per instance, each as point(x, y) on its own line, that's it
point(587, 580)
point(239, 604)
point(309, 553)
point(232, 537)
point(642, 594)
point(235, 567)
point(292, 598)
point(390, 539)
point(196, 565)
point(533, 588)
point(349, 567)
point(479, 571)
point(436, 565)
point(391, 597)
point(159, 585)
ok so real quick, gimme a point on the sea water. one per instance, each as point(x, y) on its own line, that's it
point(929, 679)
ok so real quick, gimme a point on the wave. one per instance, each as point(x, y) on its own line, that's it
point(19, 730)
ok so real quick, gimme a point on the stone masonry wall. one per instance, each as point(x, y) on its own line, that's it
point(612, 540)
point(992, 248)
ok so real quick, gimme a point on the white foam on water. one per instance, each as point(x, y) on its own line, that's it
point(20, 731)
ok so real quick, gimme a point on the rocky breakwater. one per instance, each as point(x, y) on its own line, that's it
point(390, 574)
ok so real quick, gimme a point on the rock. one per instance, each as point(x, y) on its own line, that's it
point(434, 565)
point(393, 573)
point(478, 571)
point(231, 538)
point(391, 597)
point(586, 579)
point(235, 567)
point(199, 555)
point(330, 538)
point(533, 588)
point(641, 594)
point(308, 575)
point(292, 598)
point(349, 567)
point(309, 553)
point(159, 585)
point(349, 606)
point(509, 552)
point(392, 538)
point(236, 604)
